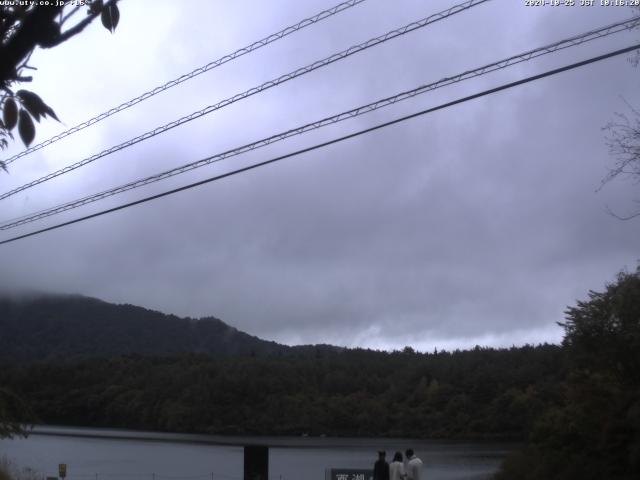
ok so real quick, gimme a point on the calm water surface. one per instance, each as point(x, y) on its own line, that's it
point(101, 454)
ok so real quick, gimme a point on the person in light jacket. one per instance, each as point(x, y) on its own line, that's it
point(396, 468)
point(414, 465)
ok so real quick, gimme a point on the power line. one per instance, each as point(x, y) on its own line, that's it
point(198, 71)
point(513, 60)
point(331, 142)
point(265, 86)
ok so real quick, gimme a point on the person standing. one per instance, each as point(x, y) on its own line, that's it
point(414, 465)
point(381, 467)
point(396, 468)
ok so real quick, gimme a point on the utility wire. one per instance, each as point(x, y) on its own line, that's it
point(265, 86)
point(331, 142)
point(513, 60)
point(198, 71)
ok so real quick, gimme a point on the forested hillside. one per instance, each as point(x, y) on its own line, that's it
point(82, 361)
point(40, 327)
point(576, 405)
point(478, 393)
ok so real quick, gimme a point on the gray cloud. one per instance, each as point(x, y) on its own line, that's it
point(476, 224)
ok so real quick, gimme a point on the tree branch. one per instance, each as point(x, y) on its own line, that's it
point(69, 15)
point(80, 26)
point(619, 217)
point(35, 29)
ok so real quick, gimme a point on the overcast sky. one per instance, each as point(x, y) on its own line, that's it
point(478, 224)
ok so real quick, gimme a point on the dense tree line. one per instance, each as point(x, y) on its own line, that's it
point(478, 393)
point(594, 431)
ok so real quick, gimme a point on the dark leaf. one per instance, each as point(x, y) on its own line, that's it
point(34, 104)
point(95, 7)
point(26, 128)
point(10, 113)
point(110, 17)
point(3, 166)
point(6, 133)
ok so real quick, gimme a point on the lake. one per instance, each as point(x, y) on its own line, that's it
point(106, 454)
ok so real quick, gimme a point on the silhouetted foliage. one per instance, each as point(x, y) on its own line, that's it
point(25, 26)
point(594, 432)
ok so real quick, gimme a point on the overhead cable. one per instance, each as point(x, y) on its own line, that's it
point(330, 142)
point(188, 76)
point(504, 63)
point(252, 91)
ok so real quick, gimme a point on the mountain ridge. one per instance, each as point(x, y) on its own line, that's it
point(45, 326)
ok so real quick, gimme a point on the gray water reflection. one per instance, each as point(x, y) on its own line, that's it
point(124, 455)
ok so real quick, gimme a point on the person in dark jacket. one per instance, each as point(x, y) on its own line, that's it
point(381, 467)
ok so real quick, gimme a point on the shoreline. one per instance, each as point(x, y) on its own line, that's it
point(253, 440)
